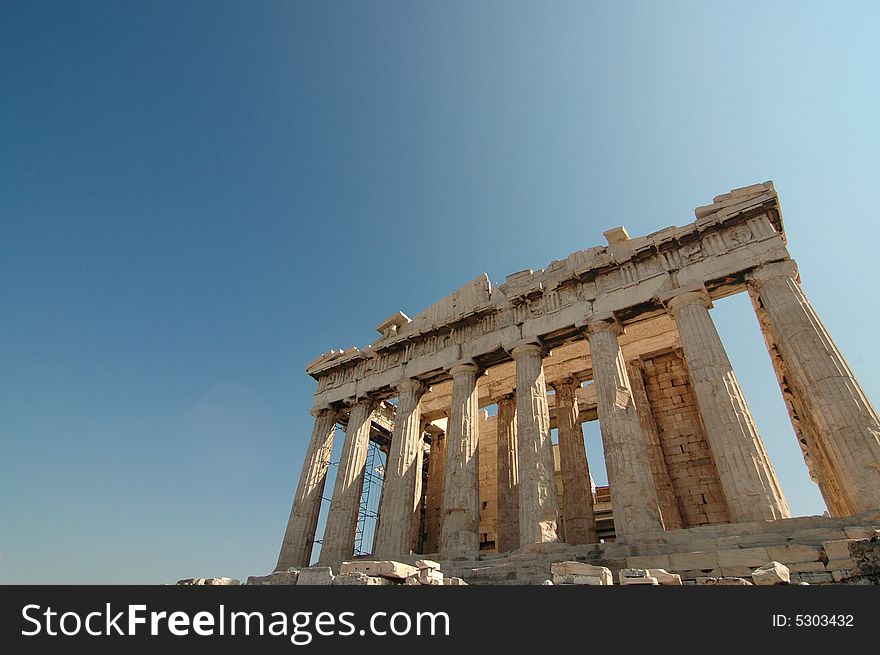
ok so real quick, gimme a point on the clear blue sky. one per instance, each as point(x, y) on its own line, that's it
point(197, 198)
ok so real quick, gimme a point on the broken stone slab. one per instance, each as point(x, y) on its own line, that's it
point(315, 575)
point(579, 579)
point(288, 577)
point(361, 579)
point(734, 582)
point(635, 576)
point(430, 577)
point(771, 573)
point(454, 582)
point(383, 568)
point(582, 569)
point(663, 577)
point(427, 564)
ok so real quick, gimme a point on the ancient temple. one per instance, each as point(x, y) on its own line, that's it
point(621, 334)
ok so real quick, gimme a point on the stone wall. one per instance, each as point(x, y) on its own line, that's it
point(694, 477)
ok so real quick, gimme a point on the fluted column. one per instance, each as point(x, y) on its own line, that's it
point(341, 526)
point(508, 485)
point(807, 434)
point(848, 428)
point(434, 493)
point(666, 496)
point(403, 482)
point(538, 510)
point(633, 496)
point(296, 549)
point(460, 535)
point(579, 520)
point(747, 477)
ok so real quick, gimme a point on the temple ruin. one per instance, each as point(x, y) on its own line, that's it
point(621, 334)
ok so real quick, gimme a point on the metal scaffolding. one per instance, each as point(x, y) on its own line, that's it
point(371, 495)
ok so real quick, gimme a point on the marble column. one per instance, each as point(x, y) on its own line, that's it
point(806, 432)
point(747, 477)
point(508, 485)
point(633, 496)
point(434, 492)
point(341, 526)
point(847, 425)
point(460, 535)
point(538, 510)
point(579, 520)
point(296, 549)
point(403, 476)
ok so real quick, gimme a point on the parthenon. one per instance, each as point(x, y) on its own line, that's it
point(620, 333)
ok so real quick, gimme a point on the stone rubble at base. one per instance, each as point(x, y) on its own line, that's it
point(771, 573)
point(861, 567)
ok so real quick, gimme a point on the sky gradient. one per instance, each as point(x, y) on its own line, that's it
point(198, 198)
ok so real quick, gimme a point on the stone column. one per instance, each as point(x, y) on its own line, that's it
point(538, 510)
point(848, 428)
point(744, 469)
point(296, 549)
point(508, 485)
point(460, 536)
point(633, 496)
point(341, 526)
point(579, 519)
point(434, 492)
point(403, 482)
point(666, 496)
point(807, 434)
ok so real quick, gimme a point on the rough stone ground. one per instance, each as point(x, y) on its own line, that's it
point(814, 550)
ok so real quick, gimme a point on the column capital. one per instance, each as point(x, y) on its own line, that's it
point(411, 385)
point(685, 296)
point(366, 400)
point(526, 345)
point(606, 323)
point(526, 348)
point(324, 410)
point(564, 381)
point(786, 268)
point(464, 366)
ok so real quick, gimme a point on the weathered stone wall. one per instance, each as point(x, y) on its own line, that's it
point(694, 476)
point(488, 482)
